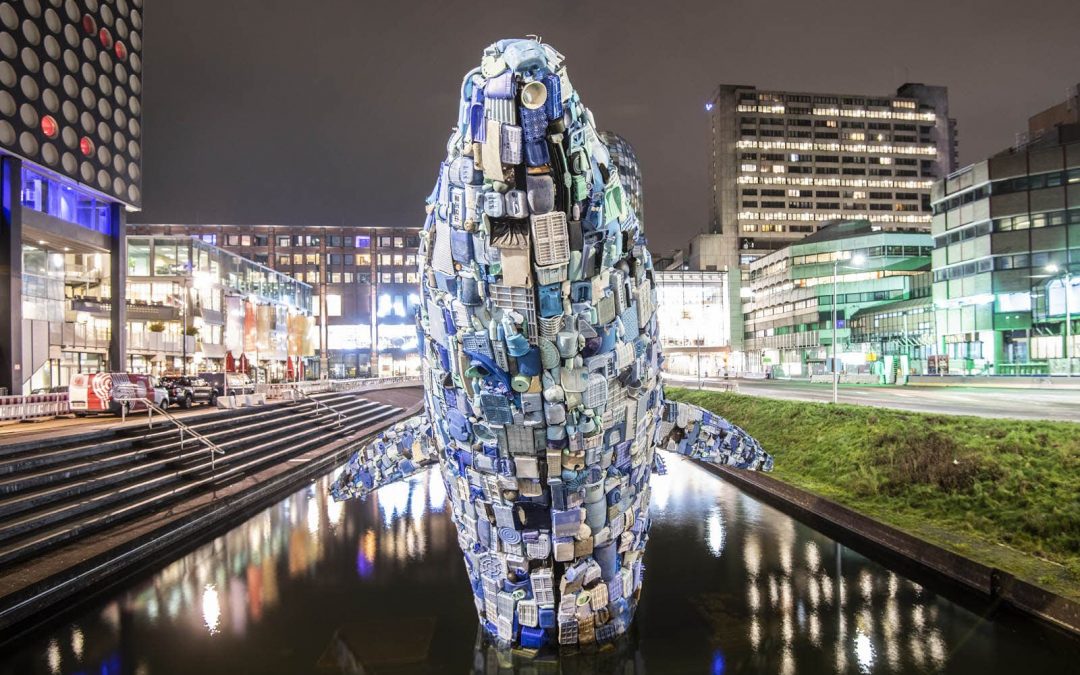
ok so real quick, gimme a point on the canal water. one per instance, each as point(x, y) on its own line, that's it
point(731, 585)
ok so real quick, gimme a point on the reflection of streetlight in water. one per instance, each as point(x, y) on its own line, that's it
point(211, 608)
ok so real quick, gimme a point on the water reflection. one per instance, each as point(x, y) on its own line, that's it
point(312, 585)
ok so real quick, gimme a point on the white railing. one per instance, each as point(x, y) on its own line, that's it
point(290, 390)
point(33, 406)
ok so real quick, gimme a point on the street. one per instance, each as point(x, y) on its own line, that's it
point(1035, 404)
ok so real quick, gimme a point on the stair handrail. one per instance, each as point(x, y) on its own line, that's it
point(212, 448)
point(340, 415)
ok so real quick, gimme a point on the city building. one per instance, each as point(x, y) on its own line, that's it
point(788, 311)
point(625, 160)
point(193, 307)
point(365, 284)
point(70, 154)
point(1006, 248)
point(783, 163)
point(696, 337)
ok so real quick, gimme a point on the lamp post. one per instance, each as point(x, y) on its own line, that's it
point(1067, 278)
point(856, 261)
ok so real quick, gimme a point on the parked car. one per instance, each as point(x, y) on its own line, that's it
point(112, 392)
point(187, 391)
point(238, 383)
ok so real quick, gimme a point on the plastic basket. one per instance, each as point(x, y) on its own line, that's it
point(568, 632)
point(501, 109)
point(630, 323)
point(596, 393)
point(520, 439)
point(477, 342)
point(550, 326)
point(496, 408)
point(552, 274)
point(528, 613)
point(551, 239)
point(534, 123)
point(519, 299)
point(605, 309)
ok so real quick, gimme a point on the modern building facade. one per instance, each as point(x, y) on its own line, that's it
point(193, 307)
point(364, 282)
point(783, 163)
point(692, 309)
point(625, 160)
point(70, 154)
point(1007, 257)
point(789, 309)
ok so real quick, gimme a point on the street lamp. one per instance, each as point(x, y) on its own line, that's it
point(1067, 278)
point(856, 261)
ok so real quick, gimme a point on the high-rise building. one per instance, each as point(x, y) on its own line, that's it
point(625, 160)
point(1007, 258)
point(783, 163)
point(365, 283)
point(70, 153)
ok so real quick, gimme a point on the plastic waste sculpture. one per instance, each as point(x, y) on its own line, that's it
point(541, 363)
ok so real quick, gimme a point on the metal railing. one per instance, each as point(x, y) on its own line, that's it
point(212, 448)
point(277, 391)
point(321, 404)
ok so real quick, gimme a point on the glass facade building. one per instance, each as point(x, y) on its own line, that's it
point(695, 335)
point(1007, 257)
point(364, 280)
point(788, 312)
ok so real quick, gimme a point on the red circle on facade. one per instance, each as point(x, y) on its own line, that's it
point(106, 38)
point(86, 146)
point(49, 127)
point(121, 50)
point(88, 24)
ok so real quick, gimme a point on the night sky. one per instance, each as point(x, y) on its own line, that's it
point(337, 111)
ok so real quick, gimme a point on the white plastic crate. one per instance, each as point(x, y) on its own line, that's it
point(528, 613)
point(505, 603)
point(599, 596)
point(510, 151)
point(596, 394)
point(519, 299)
point(550, 326)
point(551, 274)
point(520, 440)
point(506, 628)
point(551, 240)
point(543, 586)
point(541, 548)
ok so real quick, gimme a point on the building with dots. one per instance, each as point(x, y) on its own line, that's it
point(70, 154)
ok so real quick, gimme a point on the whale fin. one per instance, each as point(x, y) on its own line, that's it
point(697, 433)
point(393, 455)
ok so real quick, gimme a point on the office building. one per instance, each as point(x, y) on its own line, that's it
point(783, 163)
point(691, 307)
point(1007, 257)
point(364, 282)
point(70, 154)
point(625, 160)
point(789, 309)
point(193, 307)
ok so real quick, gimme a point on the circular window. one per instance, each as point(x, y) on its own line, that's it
point(88, 98)
point(103, 179)
point(8, 16)
point(134, 150)
point(71, 61)
point(135, 106)
point(133, 128)
point(105, 60)
point(52, 47)
point(28, 143)
point(51, 100)
point(121, 96)
point(119, 164)
point(7, 133)
point(136, 20)
point(103, 155)
point(135, 84)
point(118, 186)
point(69, 162)
point(50, 153)
point(7, 75)
point(86, 171)
point(105, 38)
point(104, 108)
point(120, 73)
point(86, 146)
point(7, 104)
point(133, 171)
point(71, 86)
point(106, 15)
point(120, 50)
point(29, 87)
point(30, 60)
point(89, 49)
point(120, 141)
point(33, 7)
point(72, 10)
point(49, 127)
point(104, 133)
point(70, 139)
point(119, 118)
point(71, 35)
point(133, 193)
point(52, 74)
point(7, 46)
point(89, 25)
point(88, 73)
point(71, 113)
point(28, 115)
point(122, 29)
point(105, 85)
point(52, 20)
point(136, 41)
point(86, 120)
point(31, 32)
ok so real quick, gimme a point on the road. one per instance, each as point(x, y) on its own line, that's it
point(1033, 404)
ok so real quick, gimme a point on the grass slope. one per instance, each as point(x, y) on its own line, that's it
point(1003, 492)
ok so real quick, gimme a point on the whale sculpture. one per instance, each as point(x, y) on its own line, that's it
point(540, 363)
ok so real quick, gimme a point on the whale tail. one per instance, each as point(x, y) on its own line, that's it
point(697, 433)
point(393, 455)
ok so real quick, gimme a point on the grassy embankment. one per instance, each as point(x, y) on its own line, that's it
point(1003, 492)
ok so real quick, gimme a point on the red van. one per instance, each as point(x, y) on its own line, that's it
point(104, 392)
